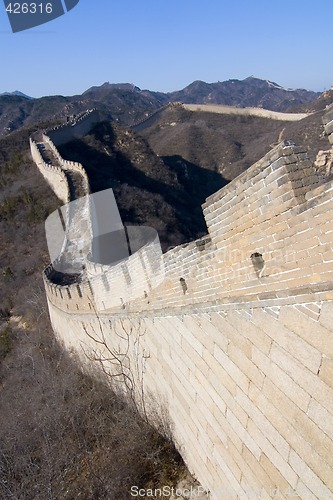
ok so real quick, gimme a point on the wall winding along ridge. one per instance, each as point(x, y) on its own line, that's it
point(74, 129)
point(147, 121)
point(236, 342)
point(53, 175)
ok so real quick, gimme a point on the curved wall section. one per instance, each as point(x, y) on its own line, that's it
point(76, 128)
point(53, 175)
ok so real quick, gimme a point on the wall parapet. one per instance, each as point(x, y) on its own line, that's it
point(54, 175)
point(67, 164)
point(113, 286)
point(138, 125)
point(77, 128)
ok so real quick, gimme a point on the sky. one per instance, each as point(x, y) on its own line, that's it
point(165, 45)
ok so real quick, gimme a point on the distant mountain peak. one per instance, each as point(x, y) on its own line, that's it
point(17, 93)
point(113, 86)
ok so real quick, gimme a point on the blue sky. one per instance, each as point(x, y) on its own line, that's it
point(165, 45)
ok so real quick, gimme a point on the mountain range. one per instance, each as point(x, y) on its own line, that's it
point(127, 103)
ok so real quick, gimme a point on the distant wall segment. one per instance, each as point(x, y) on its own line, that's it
point(53, 138)
point(233, 110)
point(54, 176)
point(66, 164)
point(75, 128)
point(152, 117)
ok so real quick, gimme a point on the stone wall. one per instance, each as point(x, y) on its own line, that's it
point(75, 129)
point(67, 164)
point(248, 391)
point(152, 117)
point(53, 175)
point(70, 182)
point(129, 279)
point(328, 123)
point(235, 344)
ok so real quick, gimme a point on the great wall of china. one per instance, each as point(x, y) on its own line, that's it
point(147, 121)
point(230, 336)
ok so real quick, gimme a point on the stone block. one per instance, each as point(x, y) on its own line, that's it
point(219, 385)
point(263, 423)
point(234, 483)
point(279, 377)
point(272, 454)
point(184, 387)
point(329, 127)
point(302, 491)
point(326, 371)
point(310, 383)
point(304, 426)
point(326, 318)
point(313, 333)
point(250, 331)
point(300, 432)
point(308, 243)
point(322, 417)
point(247, 366)
point(308, 312)
point(328, 117)
point(217, 335)
point(254, 464)
point(193, 324)
point(233, 370)
point(301, 350)
point(244, 434)
point(307, 476)
point(275, 482)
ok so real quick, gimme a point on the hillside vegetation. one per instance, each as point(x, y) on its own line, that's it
point(63, 434)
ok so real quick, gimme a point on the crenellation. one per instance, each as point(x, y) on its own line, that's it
point(53, 175)
point(76, 128)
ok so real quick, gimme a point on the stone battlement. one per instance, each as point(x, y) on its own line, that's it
point(74, 129)
point(66, 164)
point(53, 175)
